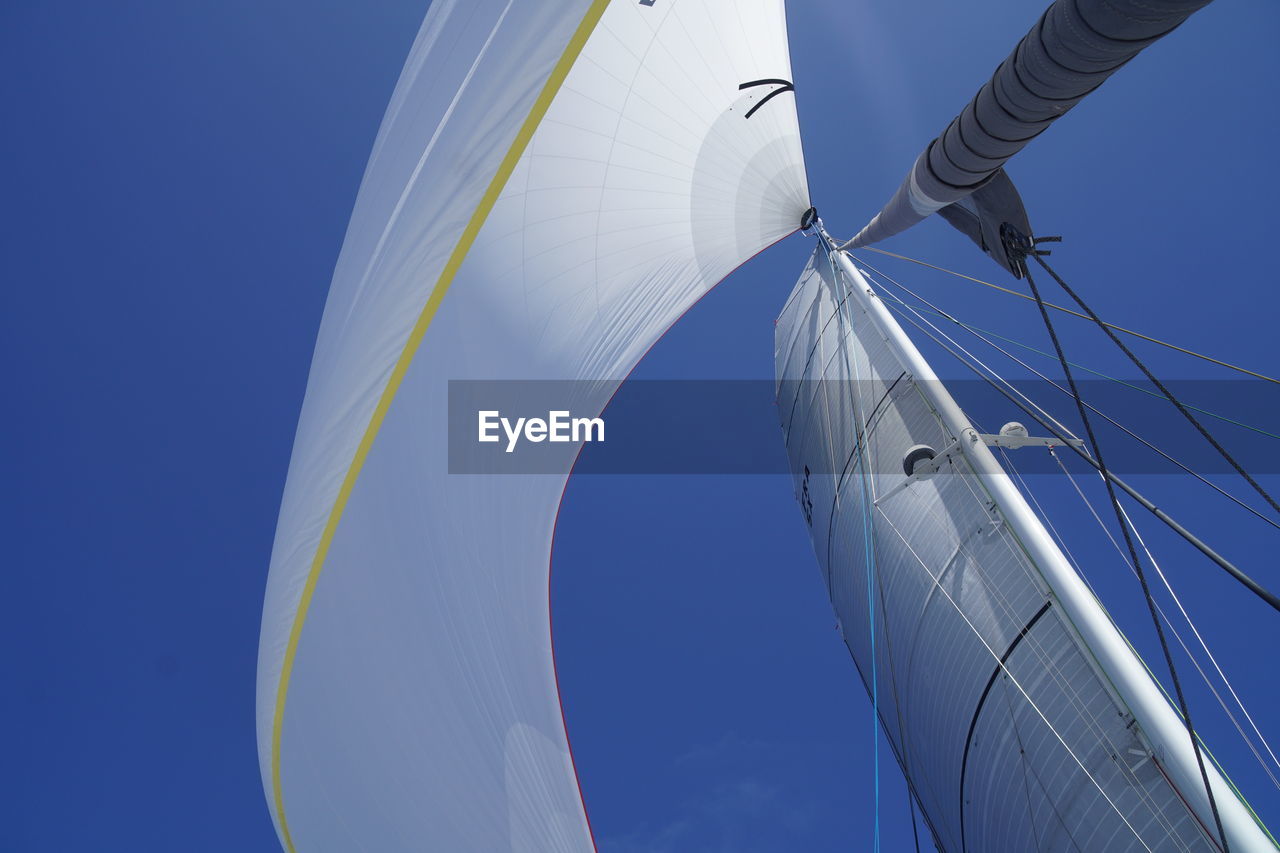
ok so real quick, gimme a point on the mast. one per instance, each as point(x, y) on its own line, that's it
point(1118, 663)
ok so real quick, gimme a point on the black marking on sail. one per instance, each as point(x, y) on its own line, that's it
point(855, 456)
point(647, 2)
point(973, 724)
point(806, 500)
point(787, 86)
point(855, 453)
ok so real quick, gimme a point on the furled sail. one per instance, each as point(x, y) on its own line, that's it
point(1021, 718)
point(1073, 48)
point(552, 186)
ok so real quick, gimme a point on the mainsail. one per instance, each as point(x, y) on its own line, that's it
point(552, 186)
point(1020, 716)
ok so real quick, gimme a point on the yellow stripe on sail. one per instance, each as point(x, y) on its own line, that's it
point(459, 254)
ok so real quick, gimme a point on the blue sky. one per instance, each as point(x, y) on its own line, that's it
point(178, 179)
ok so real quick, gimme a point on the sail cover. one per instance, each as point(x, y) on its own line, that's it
point(1073, 48)
point(552, 186)
point(1019, 716)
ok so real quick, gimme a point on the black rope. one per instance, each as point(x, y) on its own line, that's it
point(1065, 310)
point(1059, 432)
point(1128, 539)
point(1160, 385)
point(1062, 434)
point(977, 333)
point(911, 801)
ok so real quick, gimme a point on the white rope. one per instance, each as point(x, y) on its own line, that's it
point(1195, 662)
point(996, 376)
point(863, 437)
point(1031, 642)
point(978, 333)
point(1248, 741)
point(1004, 668)
point(1067, 688)
point(1065, 310)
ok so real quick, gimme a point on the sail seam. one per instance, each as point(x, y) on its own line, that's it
point(460, 251)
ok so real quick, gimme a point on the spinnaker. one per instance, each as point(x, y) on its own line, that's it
point(553, 185)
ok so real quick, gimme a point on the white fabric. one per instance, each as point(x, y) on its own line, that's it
point(1010, 731)
point(422, 710)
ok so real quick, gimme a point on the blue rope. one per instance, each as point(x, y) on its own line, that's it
point(869, 556)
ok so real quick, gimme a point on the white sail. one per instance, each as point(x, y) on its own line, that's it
point(553, 185)
point(1021, 718)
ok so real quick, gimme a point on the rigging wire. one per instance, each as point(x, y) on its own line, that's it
point(998, 597)
point(1041, 417)
point(1032, 704)
point(911, 802)
point(1045, 519)
point(1208, 683)
point(1025, 488)
point(1004, 668)
point(1115, 503)
point(981, 334)
point(1040, 652)
point(870, 560)
point(872, 687)
point(1045, 658)
point(1058, 431)
point(1048, 522)
point(975, 330)
point(1026, 784)
point(1150, 376)
point(839, 312)
point(1066, 310)
point(1139, 388)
